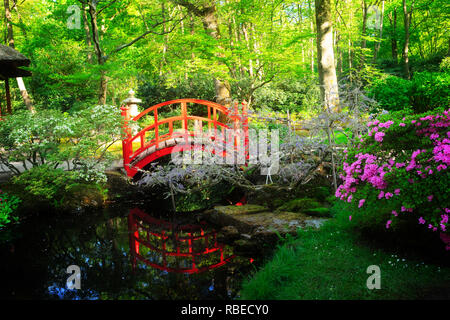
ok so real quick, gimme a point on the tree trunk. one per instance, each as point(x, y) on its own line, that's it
point(209, 19)
point(378, 43)
point(311, 41)
point(163, 58)
point(394, 48)
point(87, 36)
point(9, 25)
point(407, 22)
point(364, 34)
point(222, 87)
point(8, 97)
point(98, 51)
point(10, 40)
point(325, 55)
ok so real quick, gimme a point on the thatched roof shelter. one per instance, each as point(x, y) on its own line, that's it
point(10, 62)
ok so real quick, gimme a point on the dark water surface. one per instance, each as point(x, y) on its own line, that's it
point(123, 253)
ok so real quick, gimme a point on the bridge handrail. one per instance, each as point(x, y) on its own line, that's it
point(129, 155)
point(197, 101)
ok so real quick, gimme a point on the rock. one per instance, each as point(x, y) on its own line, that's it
point(260, 222)
point(299, 205)
point(245, 209)
point(316, 223)
point(245, 247)
point(230, 232)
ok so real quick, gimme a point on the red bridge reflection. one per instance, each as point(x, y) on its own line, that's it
point(174, 248)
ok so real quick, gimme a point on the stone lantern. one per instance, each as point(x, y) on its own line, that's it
point(132, 103)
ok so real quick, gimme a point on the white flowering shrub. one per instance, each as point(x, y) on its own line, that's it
point(77, 142)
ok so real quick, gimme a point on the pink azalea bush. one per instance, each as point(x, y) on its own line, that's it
point(400, 172)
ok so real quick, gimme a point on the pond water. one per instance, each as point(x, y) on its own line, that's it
point(123, 253)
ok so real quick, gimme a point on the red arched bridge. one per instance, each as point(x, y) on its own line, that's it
point(168, 125)
point(174, 248)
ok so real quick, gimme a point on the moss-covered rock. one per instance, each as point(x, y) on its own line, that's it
point(299, 205)
point(244, 209)
point(319, 212)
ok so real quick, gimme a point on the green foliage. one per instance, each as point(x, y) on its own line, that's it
point(79, 140)
point(8, 207)
point(157, 90)
point(293, 94)
point(58, 188)
point(391, 92)
point(331, 263)
point(46, 183)
point(430, 91)
point(426, 91)
point(445, 65)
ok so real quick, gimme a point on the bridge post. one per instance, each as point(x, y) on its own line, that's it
point(236, 120)
point(126, 143)
point(129, 111)
point(245, 127)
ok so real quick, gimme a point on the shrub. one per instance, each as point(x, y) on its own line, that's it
point(59, 188)
point(426, 91)
point(398, 172)
point(391, 92)
point(430, 90)
point(289, 94)
point(444, 66)
point(80, 140)
point(8, 206)
point(157, 90)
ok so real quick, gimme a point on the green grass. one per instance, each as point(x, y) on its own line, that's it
point(331, 263)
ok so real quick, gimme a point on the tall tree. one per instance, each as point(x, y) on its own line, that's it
point(94, 12)
point(325, 54)
point(407, 15)
point(380, 35)
point(393, 22)
point(208, 15)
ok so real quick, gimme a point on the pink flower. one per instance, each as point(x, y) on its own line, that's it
point(434, 136)
point(350, 218)
point(402, 124)
point(361, 202)
point(388, 224)
point(381, 195)
point(394, 213)
point(397, 191)
point(379, 136)
point(430, 197)
point(421, 220)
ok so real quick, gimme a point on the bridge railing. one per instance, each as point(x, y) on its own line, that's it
point(164, 246)
point(210, 126)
